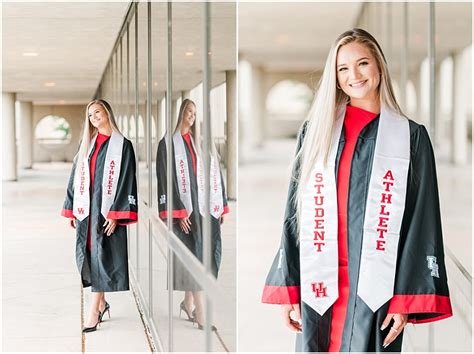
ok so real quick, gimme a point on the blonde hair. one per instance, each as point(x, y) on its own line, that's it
point(89, 131)
point(329, 99)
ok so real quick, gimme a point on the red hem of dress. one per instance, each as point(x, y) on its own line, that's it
point(281, 295)
point(177, 214)
point(438, 305)
point(67, 213)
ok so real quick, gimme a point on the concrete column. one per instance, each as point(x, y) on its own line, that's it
point(174, 112)
point(439, 121)
point(460, 105)
point(185, 94)
point(9, 137)
point(231, 133)
point(25, 147)
point(258, 106)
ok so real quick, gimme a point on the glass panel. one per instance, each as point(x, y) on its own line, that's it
point(223, 67)
point(132, 135)
point(143, 237)
point(159, 48)
point(187, 76)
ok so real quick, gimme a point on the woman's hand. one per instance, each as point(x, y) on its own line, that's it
point(293, 324)
point(72, 222)
point(110, 225)
point(400, 321)
point(185, 225)
point(222, 219)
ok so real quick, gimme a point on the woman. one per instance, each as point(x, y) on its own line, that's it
point(362, 250)
point(101, 200)
point(188, 205)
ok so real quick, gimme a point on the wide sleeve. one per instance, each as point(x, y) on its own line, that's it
point(68, 202)
point(179, 210)
point(125, 206)
point(421, 288)
point(282, 285)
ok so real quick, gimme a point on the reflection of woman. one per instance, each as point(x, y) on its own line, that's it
point(362, 249)
point(188, 204)
point(101, 199)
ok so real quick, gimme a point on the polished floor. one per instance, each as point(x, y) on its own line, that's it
point(41, 288)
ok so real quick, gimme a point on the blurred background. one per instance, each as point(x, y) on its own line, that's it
point(142, 57)
point(428, 47)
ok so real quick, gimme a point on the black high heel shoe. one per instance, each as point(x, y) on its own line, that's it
point(107, 308)
point(201, 326)
point(182, 307)
point(94, 328)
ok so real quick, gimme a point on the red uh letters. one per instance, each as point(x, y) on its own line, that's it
point(384, 214)
point(319, 289)
point(318, 213)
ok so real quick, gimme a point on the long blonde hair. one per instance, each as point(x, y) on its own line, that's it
point(329, 99)
point(192, 130)
point(89, 131)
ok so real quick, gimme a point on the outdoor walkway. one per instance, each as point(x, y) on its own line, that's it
point(41, 286)
point(263, 187)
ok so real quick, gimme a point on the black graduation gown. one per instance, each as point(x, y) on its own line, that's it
point(416, 292)
point(182, 280)
point(105, 267)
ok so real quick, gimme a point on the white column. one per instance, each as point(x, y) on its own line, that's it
point(186, 94)
point(9, 137)
point(24, 113)
point(231, 133)
point(258, 104)
point(461, 95)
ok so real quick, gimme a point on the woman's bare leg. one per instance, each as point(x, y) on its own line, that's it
point(198, 303)
point(102, 302)
point(94, 309)
point(188, 301)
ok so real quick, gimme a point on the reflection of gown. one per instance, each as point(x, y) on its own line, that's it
point(183, 280)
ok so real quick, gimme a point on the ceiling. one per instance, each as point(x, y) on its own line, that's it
point(75, 40)
point(298, 37)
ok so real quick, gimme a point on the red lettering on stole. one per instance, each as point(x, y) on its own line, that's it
point(319, 289)
point(111, 177)
point(183, 176)
point(318, 230)
point(384, 214)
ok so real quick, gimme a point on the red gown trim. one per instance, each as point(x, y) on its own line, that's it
point(177, 214)
point(117, 215)
point(438, 305)
point(354, 121)
point(281, 295)
point(67, 213)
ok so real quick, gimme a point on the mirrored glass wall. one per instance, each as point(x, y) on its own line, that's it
point(171, 82)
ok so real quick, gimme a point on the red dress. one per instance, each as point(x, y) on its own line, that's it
point(187, 139)
point(101, 138)
point(354, 121)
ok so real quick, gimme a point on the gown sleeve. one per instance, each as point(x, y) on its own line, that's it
point(421, 288)
point(224, 198)
point(68, 202)
point(179, 210)
point(282, 285)
point(125, 206)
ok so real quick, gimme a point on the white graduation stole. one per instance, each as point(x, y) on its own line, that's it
point(382, 222)
point(113, 161)
point(184, 183)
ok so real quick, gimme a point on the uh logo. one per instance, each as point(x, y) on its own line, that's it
point(319, 289)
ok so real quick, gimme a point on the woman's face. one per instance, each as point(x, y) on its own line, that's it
point(98, 116)
point(357, 72)
point(189, 115)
